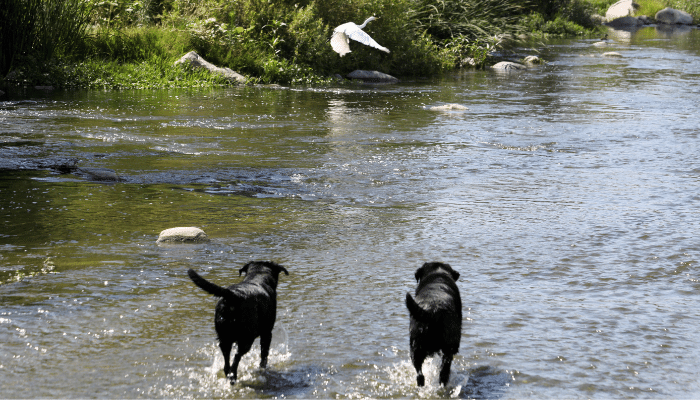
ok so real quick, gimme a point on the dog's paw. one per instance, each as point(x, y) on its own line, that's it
point(421, 380)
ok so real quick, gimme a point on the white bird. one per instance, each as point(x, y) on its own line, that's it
point(340, 41)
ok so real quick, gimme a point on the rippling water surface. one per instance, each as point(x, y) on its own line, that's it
point(567, 196)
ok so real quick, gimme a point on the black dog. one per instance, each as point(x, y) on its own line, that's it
point(246, 310)
point(436, 317)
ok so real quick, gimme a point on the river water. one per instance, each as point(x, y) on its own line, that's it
point(567, 196)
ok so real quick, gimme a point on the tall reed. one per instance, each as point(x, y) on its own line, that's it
point(40, 29)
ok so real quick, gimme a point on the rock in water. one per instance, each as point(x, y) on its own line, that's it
point(372, 76)
point(183, 235)
point(671, 16)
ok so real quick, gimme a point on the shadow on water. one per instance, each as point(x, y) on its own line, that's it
point(486, 382)
point(295, 382)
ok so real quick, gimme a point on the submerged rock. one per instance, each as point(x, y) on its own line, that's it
point(448, 107)
point(372, 76)
point(189, 234)
point(194, 60)
point(99, 174)
point(611, 54)
point(508, 66)
point(672, 16)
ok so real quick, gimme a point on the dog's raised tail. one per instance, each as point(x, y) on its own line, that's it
point(416, 310)
point(209, 287)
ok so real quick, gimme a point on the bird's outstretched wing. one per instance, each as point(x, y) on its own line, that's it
point(340, 43)
point(360, 36)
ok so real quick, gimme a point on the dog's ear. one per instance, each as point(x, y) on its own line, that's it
point(420, 272)
point(455, 275)
point(244, 269)
point(283, 269)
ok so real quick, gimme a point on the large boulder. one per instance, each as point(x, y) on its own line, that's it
point(622, 8)
point(372, 76)
point(671, 16)
point(196, 61)
point(188, 234)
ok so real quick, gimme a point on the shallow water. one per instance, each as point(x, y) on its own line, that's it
point(565, 195)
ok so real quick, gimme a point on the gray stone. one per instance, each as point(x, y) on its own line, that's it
point(508, 66)
point(622, 8)
point(182, 235)
point(195, 61)
point(99, 174)
point(672, 16)
point(625, 22)
point(372, 76)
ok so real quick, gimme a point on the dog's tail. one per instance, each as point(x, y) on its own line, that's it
point(416, 310)
point(209, 287)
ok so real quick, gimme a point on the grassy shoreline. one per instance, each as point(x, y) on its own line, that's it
point(133, 44)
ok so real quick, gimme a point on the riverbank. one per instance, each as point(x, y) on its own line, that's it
point(129, 47)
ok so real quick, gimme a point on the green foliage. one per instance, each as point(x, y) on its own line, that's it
point(650, 7)
point(40, 29)
point(464, 51)
point(692, 7)
point(600, 7)
point(446, 19)
point(154, 73)
point(123, 13)
point(558, 27)
point(271, 41)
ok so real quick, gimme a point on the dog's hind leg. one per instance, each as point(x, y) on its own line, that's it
point(445, 369)
point(226, 351)
point(265, 341)
point(243, 348)
point(418, 356)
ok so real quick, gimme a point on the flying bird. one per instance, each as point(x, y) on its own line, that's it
point(340, 41)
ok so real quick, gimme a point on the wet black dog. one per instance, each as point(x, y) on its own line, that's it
point(436, 317)
point(246, 310)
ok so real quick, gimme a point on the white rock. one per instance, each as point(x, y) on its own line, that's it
point(183, 234)
point(622, 8)
point(672, 16)
point(448, 107)
point(611, 54)
point(508, 66)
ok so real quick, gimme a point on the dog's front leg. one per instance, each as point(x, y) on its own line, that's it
point(265, 341)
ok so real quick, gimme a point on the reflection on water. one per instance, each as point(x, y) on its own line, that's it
point(565, 195)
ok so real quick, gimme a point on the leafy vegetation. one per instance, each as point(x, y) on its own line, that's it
point(134, 43)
